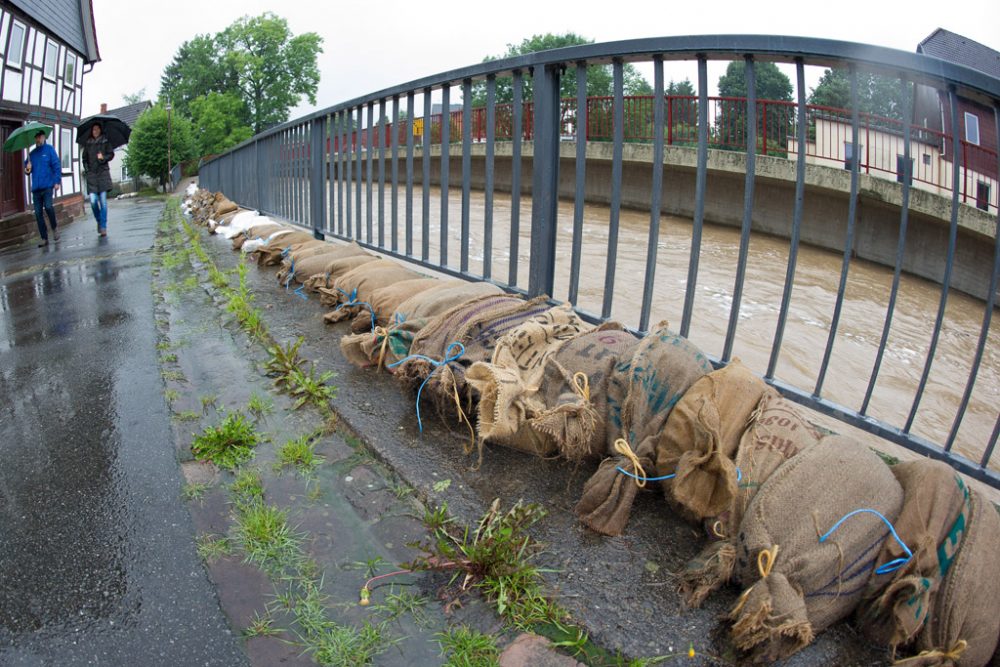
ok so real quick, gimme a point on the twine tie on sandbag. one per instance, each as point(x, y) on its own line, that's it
point(581, 385)
point(384, 333)
point(623, 448)
point(892, 565)
point(352, 300)
point(449, 356)
point(766, 559)
point(953, 654)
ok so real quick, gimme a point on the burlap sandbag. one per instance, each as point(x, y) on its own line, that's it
point(385, 300)
point(270, 253)
point(332, 271)
point(800, 578)
point(896, 605)
point(302, 264)
point(963, 625)
point(393, 344)
point(260, 231)
point(354, 289)
point(663, 366)
point(777, 430)
point(224, 206)
point(514, 372)
point(699, 441)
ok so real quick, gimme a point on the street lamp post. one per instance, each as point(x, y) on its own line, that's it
point(170, 162)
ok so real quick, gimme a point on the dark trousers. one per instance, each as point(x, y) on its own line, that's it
point(43, 201)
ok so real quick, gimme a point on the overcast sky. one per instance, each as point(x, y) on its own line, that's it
point(391, 42)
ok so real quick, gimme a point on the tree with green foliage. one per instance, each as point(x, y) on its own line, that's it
point(878, 94)
point(197, 70)
point(219, 122)
point(770, 83)
point(147, 146)
point(272, 68)
point(135, 98)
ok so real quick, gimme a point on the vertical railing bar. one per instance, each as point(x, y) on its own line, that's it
point(369, 155)
point(349, 148)
point(515, 183)
point(545, 181)
point(748, 190)
point(904, 216)
point(949, 262)
point(381, 173)
point(581, 180)
point(409, 173)
point(466, 170)
point(329, 171)
point(793, 244)
point(445, 167)
point(987, 317)
point(426, 151)
point(988, 454)
point(491, 119)
point(852, 210)
point(657, 194)
point(616, 186)
point(699, 195)
point(359, 177)
point(394, 206)
point(341, 167)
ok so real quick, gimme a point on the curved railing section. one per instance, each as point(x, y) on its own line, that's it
point(362, 171)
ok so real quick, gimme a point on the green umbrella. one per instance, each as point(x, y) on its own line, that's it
point(24, 136)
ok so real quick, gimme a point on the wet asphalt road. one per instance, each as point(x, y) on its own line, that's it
point(97, 557)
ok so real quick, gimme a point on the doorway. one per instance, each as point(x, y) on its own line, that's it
point(11, 175)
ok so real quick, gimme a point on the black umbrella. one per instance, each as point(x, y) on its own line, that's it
point(115, 129)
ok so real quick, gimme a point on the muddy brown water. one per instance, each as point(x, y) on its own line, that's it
point(811, 309)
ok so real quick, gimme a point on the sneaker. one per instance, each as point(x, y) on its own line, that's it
point(44, 243)
point(55, 235)
point(104, 233)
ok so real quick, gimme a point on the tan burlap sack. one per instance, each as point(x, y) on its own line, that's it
point(261, 231)
point(963, 626)
point(304, 263)
point(354, 289)
point(699, 441)
point(663, 366)
point(803, 560)
point(393, 344)
point(270, 254)
point(223, 206)
point(935, 512)
point(777, 430)
point(323, 281)
point(385, 300)
point(512, 377)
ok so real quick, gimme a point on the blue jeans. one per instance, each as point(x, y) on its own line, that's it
point(99, 203)
point(43, 202)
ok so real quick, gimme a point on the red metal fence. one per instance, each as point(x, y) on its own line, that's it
point(880, 144)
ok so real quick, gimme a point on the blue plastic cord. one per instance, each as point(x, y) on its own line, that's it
point(448, 357)
point(352, 301)
point(739, 475)
point(892, 565)
point(300, 293)
point(291, 274)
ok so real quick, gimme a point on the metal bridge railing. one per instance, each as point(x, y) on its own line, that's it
point(312, 171)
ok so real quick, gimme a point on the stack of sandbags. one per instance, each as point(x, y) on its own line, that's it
point(240, 221)
point(271, 253)
point(309, 260)
point(352, 291)
point(506, 384)
point(941, 603)
point(641, 393)
point(391, 342)
point(809, 544)
point(258, 235)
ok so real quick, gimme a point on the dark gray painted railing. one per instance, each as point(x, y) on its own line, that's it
point(306, 171)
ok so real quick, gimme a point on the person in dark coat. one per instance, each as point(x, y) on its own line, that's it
point(45, 169)
point(97, 154)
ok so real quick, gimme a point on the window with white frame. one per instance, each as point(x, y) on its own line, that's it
point(972, 128)
point(69, 72)
point(66, 149)
point(51, 60)
point(15, 48)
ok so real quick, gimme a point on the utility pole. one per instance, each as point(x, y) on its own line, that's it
point(170, 162)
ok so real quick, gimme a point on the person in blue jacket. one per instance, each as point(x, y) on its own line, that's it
point(46, 175)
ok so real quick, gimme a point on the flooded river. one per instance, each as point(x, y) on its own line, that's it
point(813, 299)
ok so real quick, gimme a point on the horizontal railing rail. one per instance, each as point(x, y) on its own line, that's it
point(356, 171)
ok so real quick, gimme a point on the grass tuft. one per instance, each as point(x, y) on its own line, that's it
point(229, 444)
point(463, 646)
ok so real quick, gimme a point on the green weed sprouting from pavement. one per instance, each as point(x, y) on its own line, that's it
point(210, 548)
point(248, 485)
point(266, 538)
point(173, 376)
point(194, 491)
point(307, 387)
point(208, 401)
point(229, 444)
point(299, 453)
point(171, 395)
point(170, 358)
point(187, 416)
point(260, 405)
point(260, 626)
point(494, 558)
point(283, 360)
point(396, 605)
point(466, 647)
point(370, 566)
point(217, 278)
